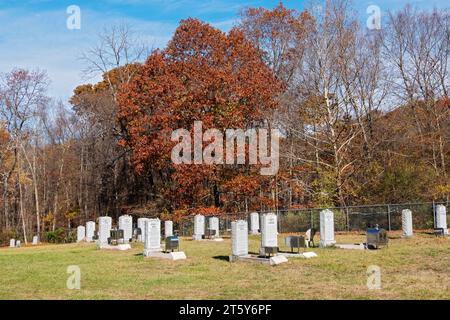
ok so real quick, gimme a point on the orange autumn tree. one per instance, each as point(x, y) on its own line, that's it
point(203, 75)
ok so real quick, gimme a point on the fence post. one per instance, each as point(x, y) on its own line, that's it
point(348, 219)
point(279, 222)
point(389, 217)
point(434, 214)
point(312, 218)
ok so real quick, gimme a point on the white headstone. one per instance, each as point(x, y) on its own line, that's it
point(327, 228)
point(12, 243)
point(104, 230)
point(407, 224)
point(213, 224)
point(18, 244)
point(199, 226)
point(152, 241)
point(168, 229)
point(126, 224)
point(35, 240)
point(254, 223)
point(81, 233)
point(239, 238)
point(269, 230)
point(441, 218)
point(90, 231)
point(140, 225)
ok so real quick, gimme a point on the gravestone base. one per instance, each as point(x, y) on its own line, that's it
point(174, 256)
point(359, 246)
point(327, 244)
point(255, 233)
point(119, 247)
point(304, 255)
point(272, 261)
point(149, 252)
point(197, 237)
point(212, 240)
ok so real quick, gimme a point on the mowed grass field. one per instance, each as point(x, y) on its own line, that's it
point(417, 268)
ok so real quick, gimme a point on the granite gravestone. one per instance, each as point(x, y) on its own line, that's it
point(140, 225)
point(269, 231)
point(254, 223)
point(213, 224)
point(126, 224)
point(168, 229)
point(90, 231)
point(407, 224)
point(104, 230)
point(327, 228)
point(199, 227)
point(81, 233)
point(441, 218)
point(152, 241)
point(239, 238)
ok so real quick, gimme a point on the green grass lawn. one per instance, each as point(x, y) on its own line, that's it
point(417, 268)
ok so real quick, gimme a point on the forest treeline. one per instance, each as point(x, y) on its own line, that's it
point(364, 116)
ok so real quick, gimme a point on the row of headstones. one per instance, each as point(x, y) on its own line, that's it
point(268, 227)
point(199, 226)
point(239, 233)
point(440, 222)
point(13, 243)
point(125, 224)
point(239, 229)
point(213, 224)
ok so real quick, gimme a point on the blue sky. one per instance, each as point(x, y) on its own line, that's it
point(33, 33)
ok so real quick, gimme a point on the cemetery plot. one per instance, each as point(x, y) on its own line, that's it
point(424, 259)
point(105, 236)
point(152, 243)
point(239, 243)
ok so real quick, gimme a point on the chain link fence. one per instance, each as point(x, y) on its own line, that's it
point(351, 218)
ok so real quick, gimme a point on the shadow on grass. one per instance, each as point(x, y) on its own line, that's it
point(223, 258)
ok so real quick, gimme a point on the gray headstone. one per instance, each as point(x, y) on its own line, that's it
point(441, 218)
point(126, 224)
point(140, 225)
point(152, 242)
point(213, 224)
point(254, 223)
point(35, 241)
point(239, 238)
point(269, 230)
point(199, 226)
point(407, 224)
point(90, 231)
point(18, 244)
point(81, 233)
point(168, 229)
point(327, 228)
point(12, 243)
point(104, 230)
